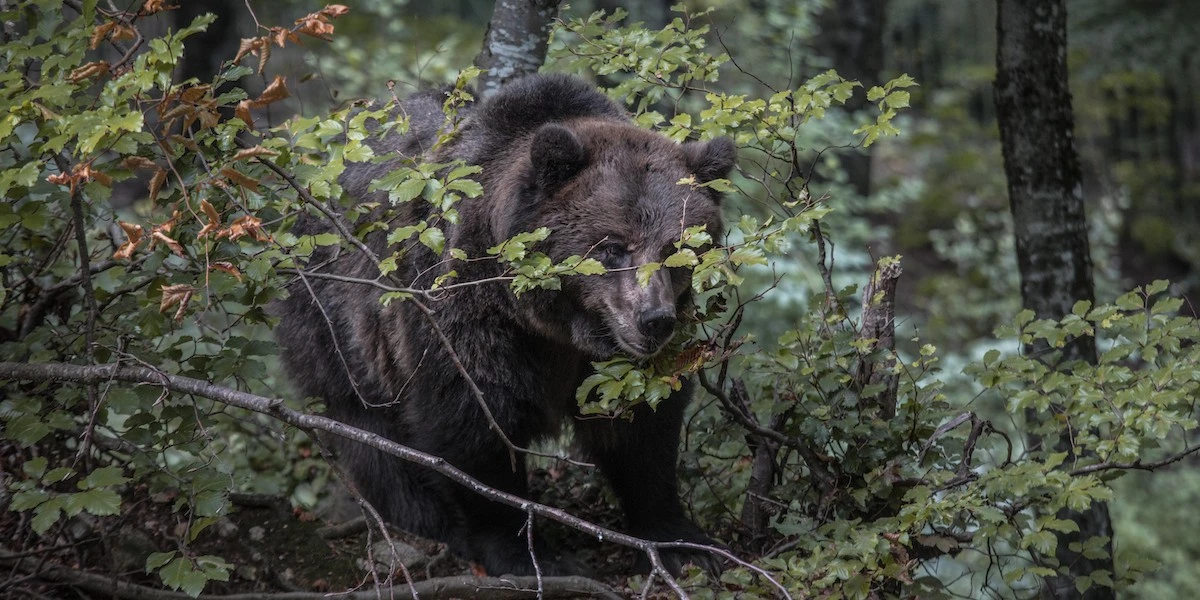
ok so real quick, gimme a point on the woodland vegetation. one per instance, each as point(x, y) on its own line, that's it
point(944, 350)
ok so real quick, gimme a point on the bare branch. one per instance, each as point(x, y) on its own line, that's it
point(1136, 465)
point(310, 424)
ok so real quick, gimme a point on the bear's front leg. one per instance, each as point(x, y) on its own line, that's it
point(640, 458)
point(456, 429)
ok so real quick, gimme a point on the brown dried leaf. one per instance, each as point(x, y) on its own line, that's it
point(137, 162)
point(133, 237)
point(86, 173)
point(150, 7)
point(247, 225)
point(334, 11)
point(264, 54)
point(195, 93)
point(240, 178)
point(316, 26)
point(186, 142)
point(243, 112)
point(117, 31)
point(159, 236)
point(123, 33)
point(254, 152)
point(179, 294)
point(227, 267)
point(169, 224)
point(179, 110)
point(274, 93)
point(249, 46)
point(208, 118)
point(157, 181)
point(214, 220)
point(99, 33)
point(282, 34)
point(91, 69)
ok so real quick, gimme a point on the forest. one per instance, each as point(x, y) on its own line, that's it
point(935, 341)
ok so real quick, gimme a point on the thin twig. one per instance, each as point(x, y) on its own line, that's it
point(369, 511)
point(537, 568)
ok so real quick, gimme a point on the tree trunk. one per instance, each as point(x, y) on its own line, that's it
point(515, 43)
point(1033, 106)
point(852, 38)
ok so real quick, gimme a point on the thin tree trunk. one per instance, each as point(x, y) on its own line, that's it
point(1033, 105)
point(515, 43)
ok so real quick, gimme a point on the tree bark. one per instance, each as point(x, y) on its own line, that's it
point(1033, 106)
point(515, 42)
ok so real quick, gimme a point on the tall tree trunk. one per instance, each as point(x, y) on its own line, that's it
point(1033, 106)
point(515, 43)
point(852, 38)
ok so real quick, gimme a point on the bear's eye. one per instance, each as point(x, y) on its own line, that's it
point(613, 256)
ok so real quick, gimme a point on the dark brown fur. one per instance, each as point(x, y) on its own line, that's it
point(554, 153)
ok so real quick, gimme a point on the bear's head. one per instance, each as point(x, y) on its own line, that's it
point(622, 195)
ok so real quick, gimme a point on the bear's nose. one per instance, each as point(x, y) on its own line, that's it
point(657, 323)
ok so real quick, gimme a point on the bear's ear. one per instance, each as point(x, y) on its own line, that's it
point(557, 156)
point(710, 160)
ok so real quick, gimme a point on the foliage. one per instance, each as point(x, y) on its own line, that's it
point(879, 479)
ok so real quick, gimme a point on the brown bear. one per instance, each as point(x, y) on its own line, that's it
point(554, 153)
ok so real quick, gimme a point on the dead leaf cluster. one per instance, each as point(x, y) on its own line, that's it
point(193, 104)
point(117, 31)
point(80, 173)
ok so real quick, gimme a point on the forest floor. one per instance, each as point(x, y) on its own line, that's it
point(279, 552)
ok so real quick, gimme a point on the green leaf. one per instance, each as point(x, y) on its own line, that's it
point(27, 499)
point(897, 99)
point(752, 255)
point(27, 430)
point(103, 477)
point(433, 238)
point(646, 271)
point(99, 502)
point(407, 191)
point(590, 266)
point(158, 559)
point(468, 187)
point(683, 258)
point(35, 467)
point(1157, 287)
point(180, 575)
point(47, 514)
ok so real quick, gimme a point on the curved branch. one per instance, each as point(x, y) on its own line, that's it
point(274, 407)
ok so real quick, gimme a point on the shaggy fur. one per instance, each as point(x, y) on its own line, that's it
point(554, 153)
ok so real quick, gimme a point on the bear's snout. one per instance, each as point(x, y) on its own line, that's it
point(657, 323)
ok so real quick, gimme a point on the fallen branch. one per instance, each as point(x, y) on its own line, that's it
point(465, 587)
